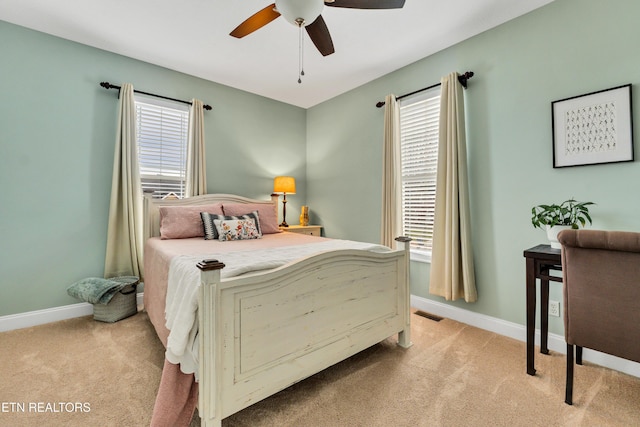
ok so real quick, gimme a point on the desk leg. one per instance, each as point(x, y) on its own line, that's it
point(531, 314)
point(544, 314)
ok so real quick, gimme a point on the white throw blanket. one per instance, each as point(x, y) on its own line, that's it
point(184, 283)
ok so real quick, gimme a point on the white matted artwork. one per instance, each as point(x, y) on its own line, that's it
point(594, 128)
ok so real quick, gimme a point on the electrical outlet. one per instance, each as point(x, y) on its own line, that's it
point(554, 308)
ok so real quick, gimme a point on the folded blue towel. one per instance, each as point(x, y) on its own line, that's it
point(97, 290)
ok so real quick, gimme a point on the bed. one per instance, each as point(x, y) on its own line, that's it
point(311, 303)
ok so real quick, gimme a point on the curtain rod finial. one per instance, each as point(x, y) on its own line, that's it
point(464, 77)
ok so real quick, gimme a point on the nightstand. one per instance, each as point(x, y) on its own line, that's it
point(310, 230)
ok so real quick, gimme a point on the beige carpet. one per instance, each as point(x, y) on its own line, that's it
point(80, 372)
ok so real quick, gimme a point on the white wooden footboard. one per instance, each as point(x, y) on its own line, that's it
point(261, 333)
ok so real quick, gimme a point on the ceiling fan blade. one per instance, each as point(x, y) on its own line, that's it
point(319, 34)
point(366, 4)
point(256, 21)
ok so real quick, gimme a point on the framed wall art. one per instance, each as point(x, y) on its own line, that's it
point(593, 129)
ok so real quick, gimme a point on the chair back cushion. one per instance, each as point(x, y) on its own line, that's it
point(601, 286)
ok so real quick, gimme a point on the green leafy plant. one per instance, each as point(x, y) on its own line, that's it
point(569, 213)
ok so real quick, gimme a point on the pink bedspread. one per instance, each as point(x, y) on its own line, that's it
point(178, 392)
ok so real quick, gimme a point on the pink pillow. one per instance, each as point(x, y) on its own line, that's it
point(181, 222)
point(267, 214)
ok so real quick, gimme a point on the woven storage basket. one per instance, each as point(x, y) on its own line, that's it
point(122, 305)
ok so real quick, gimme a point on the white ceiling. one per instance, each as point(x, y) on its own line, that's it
point(192, 36)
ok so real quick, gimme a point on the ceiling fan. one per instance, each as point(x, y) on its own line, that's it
point(307, 14)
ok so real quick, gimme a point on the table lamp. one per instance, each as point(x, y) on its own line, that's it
point(284, 185)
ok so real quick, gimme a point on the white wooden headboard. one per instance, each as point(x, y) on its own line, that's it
point(151, 226)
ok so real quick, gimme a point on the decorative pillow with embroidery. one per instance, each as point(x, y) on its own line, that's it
point(236, 229)
point(211, 231)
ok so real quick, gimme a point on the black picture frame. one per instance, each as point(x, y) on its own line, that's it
point(594, 128)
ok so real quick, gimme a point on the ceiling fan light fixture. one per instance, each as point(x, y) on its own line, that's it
point(293, 10)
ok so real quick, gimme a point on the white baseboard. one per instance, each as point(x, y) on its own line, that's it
point(514, 330)
point(499, 326)
point(40, 317)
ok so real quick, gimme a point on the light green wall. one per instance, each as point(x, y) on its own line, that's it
point(567, 48)
point(57, 135)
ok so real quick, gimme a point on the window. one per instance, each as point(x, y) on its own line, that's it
point(161, 130)
point(419, 127)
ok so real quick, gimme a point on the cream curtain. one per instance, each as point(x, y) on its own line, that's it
point(124, 234)
point(452, 270)
point(391, 167)
point(196, 168)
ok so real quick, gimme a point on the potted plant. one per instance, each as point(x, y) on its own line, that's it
point(555, 218)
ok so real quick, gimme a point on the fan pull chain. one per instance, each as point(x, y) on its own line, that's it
point(300, 23)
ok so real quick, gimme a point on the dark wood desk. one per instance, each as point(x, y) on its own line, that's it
point(541, 260)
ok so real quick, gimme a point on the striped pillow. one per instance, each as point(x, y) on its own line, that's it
point(210, 230)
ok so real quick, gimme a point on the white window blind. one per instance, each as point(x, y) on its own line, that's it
point(162, 127)
point(419, 127)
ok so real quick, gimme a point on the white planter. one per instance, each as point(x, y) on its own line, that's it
point(552, 235)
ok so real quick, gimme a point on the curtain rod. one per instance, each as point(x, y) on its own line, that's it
point(461, 78)
point(108, 85)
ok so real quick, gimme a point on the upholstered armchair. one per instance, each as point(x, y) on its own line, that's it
point(601, 287)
